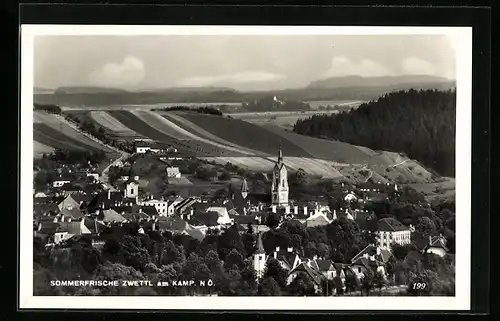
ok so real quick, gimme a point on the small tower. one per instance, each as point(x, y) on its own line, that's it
point(259, 258)
point(132, 186)
point(244, 188)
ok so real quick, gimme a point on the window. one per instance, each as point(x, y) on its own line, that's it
point(283, 183)
point(359, 270)
point(260, 258)
point(131, 191)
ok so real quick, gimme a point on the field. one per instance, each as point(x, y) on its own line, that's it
point(244, 144)
point(312, 166)
point(110, 123)
point(52, 131)
point(195, 129)
point(49, 136)
point(283, 119)
point(201, 147)
point(39, 149)
point(324, 149)
point(245, 134)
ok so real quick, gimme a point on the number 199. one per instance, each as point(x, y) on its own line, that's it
point(419, 286)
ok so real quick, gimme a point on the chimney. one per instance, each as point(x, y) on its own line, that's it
point(289, 249)
point(109, 194)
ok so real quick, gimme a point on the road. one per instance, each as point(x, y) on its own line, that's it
point(400, 163)
point(392, 290)
point(104, 175)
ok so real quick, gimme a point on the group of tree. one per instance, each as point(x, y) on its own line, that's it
point(268, 103)
point(419, 123)
point(53, 109)
point(202, 110)
point(100, 133)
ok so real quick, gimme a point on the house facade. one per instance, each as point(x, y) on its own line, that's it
point(391, 231)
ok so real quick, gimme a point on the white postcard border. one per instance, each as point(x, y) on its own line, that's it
point(463, 46)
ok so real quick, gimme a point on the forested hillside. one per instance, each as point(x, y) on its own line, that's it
point(420, 124)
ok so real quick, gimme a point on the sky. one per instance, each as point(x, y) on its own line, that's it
point(252, 62)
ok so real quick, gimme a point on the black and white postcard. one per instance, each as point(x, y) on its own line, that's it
point(325, 167)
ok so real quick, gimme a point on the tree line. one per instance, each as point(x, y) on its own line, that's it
point(201, 110)
point(420, 124)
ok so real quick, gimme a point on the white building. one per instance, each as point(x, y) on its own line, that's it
point(391, 231)
point(160, 205)
point(132, 187)
point(279, 187)
point(173, 172)
point(259, 258)
point(60, 182)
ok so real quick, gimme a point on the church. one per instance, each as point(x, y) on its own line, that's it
point(279, 187)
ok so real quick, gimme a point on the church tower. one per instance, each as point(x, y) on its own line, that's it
point(279, 187)
point(259, 258)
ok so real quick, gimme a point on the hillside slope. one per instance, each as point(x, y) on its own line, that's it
point(420, 124)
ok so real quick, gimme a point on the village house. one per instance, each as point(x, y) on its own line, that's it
point(314, 275)
point(173, 172)
point(370, 260)
point(391, 231)
point(319, 219)
point(366, 220)
point(437, 245)
point(160, 205)
point(288, 258)
point(60, 182)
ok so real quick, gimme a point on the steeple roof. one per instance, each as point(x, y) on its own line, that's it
point(259, 248)
point(244, 186)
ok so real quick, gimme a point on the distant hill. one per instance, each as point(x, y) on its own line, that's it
point(393, 81)
point(88, 90)
point(344, 88)
point(40, 90)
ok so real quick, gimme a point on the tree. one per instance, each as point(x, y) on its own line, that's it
point(249, 228)
point(269, 287)
point(274, 270)
point(272, 221)
point(301, 285)
point(339, 285)
point(367, 283)
point(423, 283)
point(352, 282)
point(379, 281)
point(234, 260)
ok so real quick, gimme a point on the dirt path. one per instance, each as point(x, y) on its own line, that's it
point(104, 178)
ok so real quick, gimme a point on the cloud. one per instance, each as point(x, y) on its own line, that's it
point(343, 66)
point(129, 72)
point(237, 78)
point(418, 66)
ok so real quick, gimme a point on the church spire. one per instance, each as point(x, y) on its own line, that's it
point(244, 188)
point(280, 153)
